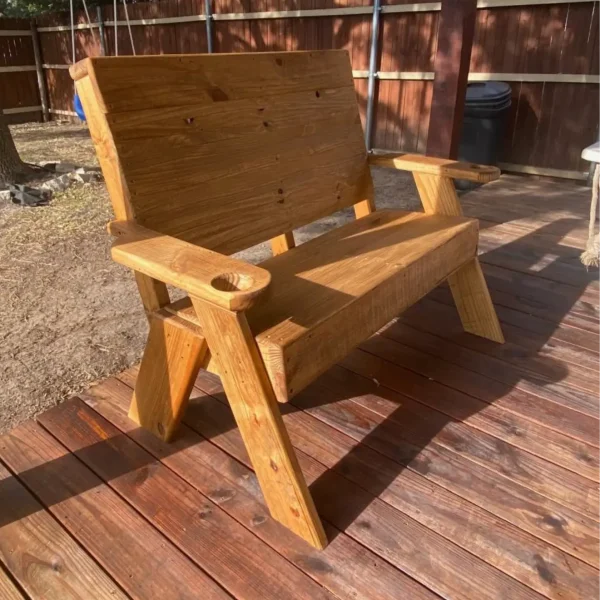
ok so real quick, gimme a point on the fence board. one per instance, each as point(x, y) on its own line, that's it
point(18, 89)
point(548, 125)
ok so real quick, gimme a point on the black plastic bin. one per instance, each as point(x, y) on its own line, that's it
point(486, 106)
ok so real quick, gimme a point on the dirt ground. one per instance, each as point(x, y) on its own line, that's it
point(68, 314)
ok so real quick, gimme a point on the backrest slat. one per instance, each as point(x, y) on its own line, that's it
point(227, 151)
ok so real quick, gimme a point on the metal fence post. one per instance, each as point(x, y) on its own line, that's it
point(372, 73)
point(101, 33)
point(39, 69)
point(209, 25)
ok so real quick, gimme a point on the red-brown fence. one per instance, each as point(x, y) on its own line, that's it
point(19, 95)
point(547, 52)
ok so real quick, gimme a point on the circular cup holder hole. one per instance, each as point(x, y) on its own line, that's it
point(232, 282)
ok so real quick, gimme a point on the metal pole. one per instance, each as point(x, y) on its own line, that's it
point(72, 31)
point(41, 80)
point(116, 30)
point(101, 33)
point(209, 25)
point(372, 72)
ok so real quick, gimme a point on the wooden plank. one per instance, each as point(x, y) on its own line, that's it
point(257, 414)
point(474, 303)
point(571, 331)
point(125, 545)
point(172, 80)
point(8, 589)
point(234, 488)
point(373, 432)
point(541, 294)
point(227, 282)
point(254, 187)
point(418, 425)
point(552, 446)
point(417, 350)
point(335, 280)
point(205, 123)
point(206, 534)
point(282, 243)
point(433, 462)
point(455, 38)
point(154, 293)
point(354, 468)
point(172, 358)
point(441, 167)
point(501, 371)
point(41, 556)
point(467, 284)
point(535, 360)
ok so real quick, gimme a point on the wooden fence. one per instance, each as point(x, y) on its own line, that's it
point(547, 51)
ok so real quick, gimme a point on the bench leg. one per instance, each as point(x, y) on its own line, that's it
point(473, 302)
point(257, 414)
point(170, 365)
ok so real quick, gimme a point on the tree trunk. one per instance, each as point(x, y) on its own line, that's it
point(12, 168)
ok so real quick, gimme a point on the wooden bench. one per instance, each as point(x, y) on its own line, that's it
point(207, 155)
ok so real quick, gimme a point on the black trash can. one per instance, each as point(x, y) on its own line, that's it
point(486, 106)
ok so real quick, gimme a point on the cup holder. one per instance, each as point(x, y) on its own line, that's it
point(232, 282)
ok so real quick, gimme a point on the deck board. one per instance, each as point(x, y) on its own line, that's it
point(8, 589)
point(444, 466)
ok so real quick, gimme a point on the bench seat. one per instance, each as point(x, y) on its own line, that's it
point(326, 296)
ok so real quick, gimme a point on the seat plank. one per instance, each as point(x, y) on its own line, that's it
point(350, 281)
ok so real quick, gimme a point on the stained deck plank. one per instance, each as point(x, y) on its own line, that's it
point(143, 562)
point(234, 488)
point(209, 537)
point(499, 495)
point(443, 466)
point(45, 560)
point(318, 444)
point(416, 350)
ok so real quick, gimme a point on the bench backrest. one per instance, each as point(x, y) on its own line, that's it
point(226, 151)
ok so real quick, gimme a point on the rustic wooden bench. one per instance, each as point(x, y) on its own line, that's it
point(207, 155)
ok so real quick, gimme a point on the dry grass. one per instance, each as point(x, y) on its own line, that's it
point(68, 314)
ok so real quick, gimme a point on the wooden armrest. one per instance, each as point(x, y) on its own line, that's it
point(227, 282)
point(436, 166)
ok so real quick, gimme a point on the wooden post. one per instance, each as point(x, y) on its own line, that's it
point(455, 40)
point(101, 33)
point(39, 69)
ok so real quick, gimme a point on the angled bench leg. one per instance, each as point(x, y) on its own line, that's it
point(474, 303)
point(173, 356)
point(257, 414)
point(468, 285)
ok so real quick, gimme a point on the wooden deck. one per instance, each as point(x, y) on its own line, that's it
point(444, 466)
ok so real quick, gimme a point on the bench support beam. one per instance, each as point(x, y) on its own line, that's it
point(172, 359)
point(257, 414)
point(468, 285)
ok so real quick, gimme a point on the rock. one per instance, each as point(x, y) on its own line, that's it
point(27, 196)
point(65, 167)
point(4, 195)
point(58, 184)
point(85, 175)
